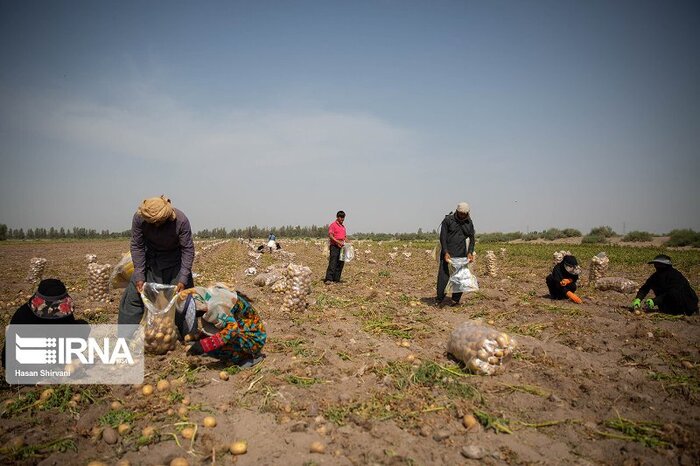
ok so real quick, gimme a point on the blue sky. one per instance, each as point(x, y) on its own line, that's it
point(539, 114)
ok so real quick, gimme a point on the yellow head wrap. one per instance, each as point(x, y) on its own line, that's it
point(156, 210)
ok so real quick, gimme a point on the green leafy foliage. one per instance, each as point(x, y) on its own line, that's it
point(684, 237)
point(638, 236)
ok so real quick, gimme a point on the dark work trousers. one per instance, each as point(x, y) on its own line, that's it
point(335, 265)
point(442, 279)
point(556, 291)
point(672, 303)
point(131, 306)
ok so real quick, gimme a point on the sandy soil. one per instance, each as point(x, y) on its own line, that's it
point(364, 371)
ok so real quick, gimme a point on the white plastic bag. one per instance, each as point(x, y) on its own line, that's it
point(461, 278)
point(160, 332)
point(121, 273)
point(219, 300)
point(347, 253)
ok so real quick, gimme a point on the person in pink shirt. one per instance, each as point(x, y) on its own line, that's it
point(336, 236)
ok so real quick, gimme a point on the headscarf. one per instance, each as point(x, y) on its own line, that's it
point(51, 301)
point(571, 265)
point(156, 210)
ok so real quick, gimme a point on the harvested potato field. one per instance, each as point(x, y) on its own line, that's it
point(362, 375)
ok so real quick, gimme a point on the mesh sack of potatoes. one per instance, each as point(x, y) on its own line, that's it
point(280, 286)
point(36, 269)
point(298, 288)
point(558, 256)
point(98, 281)
point(599, 266)
point(90, 258)
point(620, 284)
point(268, 278)
point(160, 333)
point(482, 349)
point(491, 264)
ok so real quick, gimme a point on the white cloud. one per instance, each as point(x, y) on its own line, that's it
point(149, 125)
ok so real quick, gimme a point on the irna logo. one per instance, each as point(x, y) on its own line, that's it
point(38, 350)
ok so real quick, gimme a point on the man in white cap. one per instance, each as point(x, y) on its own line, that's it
point(455, 230)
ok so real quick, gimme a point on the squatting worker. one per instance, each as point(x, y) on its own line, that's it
point(672, 291)
point(162, 251)
point(336, 237)
point(455, 230)
point(49, 305)
point(562, 281)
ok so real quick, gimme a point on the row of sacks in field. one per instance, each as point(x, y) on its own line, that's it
point(293, 280)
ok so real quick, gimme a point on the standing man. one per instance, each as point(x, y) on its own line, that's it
point(271, 242)
point(336, 236)
point(455, 230)
point(162, 251)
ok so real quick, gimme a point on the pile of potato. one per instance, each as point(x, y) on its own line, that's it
point(559, 256)
point(503, 253)
point(298, 287)
point(491, 264)
point(36, 269)
point(160, 335)
point(271, 277)
point(482, 349)
point(620, 284)
point(90, 258)
point(599, 267)
point(280, 286)
point(98, 281)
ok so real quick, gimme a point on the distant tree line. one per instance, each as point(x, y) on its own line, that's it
point(313, 231)
point(255, 231)
point(678, 237)
point(549, 234)
point(58, 233)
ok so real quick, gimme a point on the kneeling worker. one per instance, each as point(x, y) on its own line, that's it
point(672, 291)
point(562, 281)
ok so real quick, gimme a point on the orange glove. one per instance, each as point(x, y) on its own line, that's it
point(572, 296)
point(565, 281)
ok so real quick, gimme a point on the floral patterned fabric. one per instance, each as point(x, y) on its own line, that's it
point(44, 308)
point(242, 336)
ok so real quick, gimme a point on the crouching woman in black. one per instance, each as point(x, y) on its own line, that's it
point(562, 281)
point(51, 304)
point(672, 291)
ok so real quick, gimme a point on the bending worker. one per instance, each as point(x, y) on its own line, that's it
point(162, 251)
point(672, 291)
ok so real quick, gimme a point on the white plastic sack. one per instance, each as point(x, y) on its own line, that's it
point(220, 300)
point(461, 278)
point(347, 253)
point(121, 273)
point(160, 332)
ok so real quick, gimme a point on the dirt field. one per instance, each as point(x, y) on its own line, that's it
point(364, 370)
